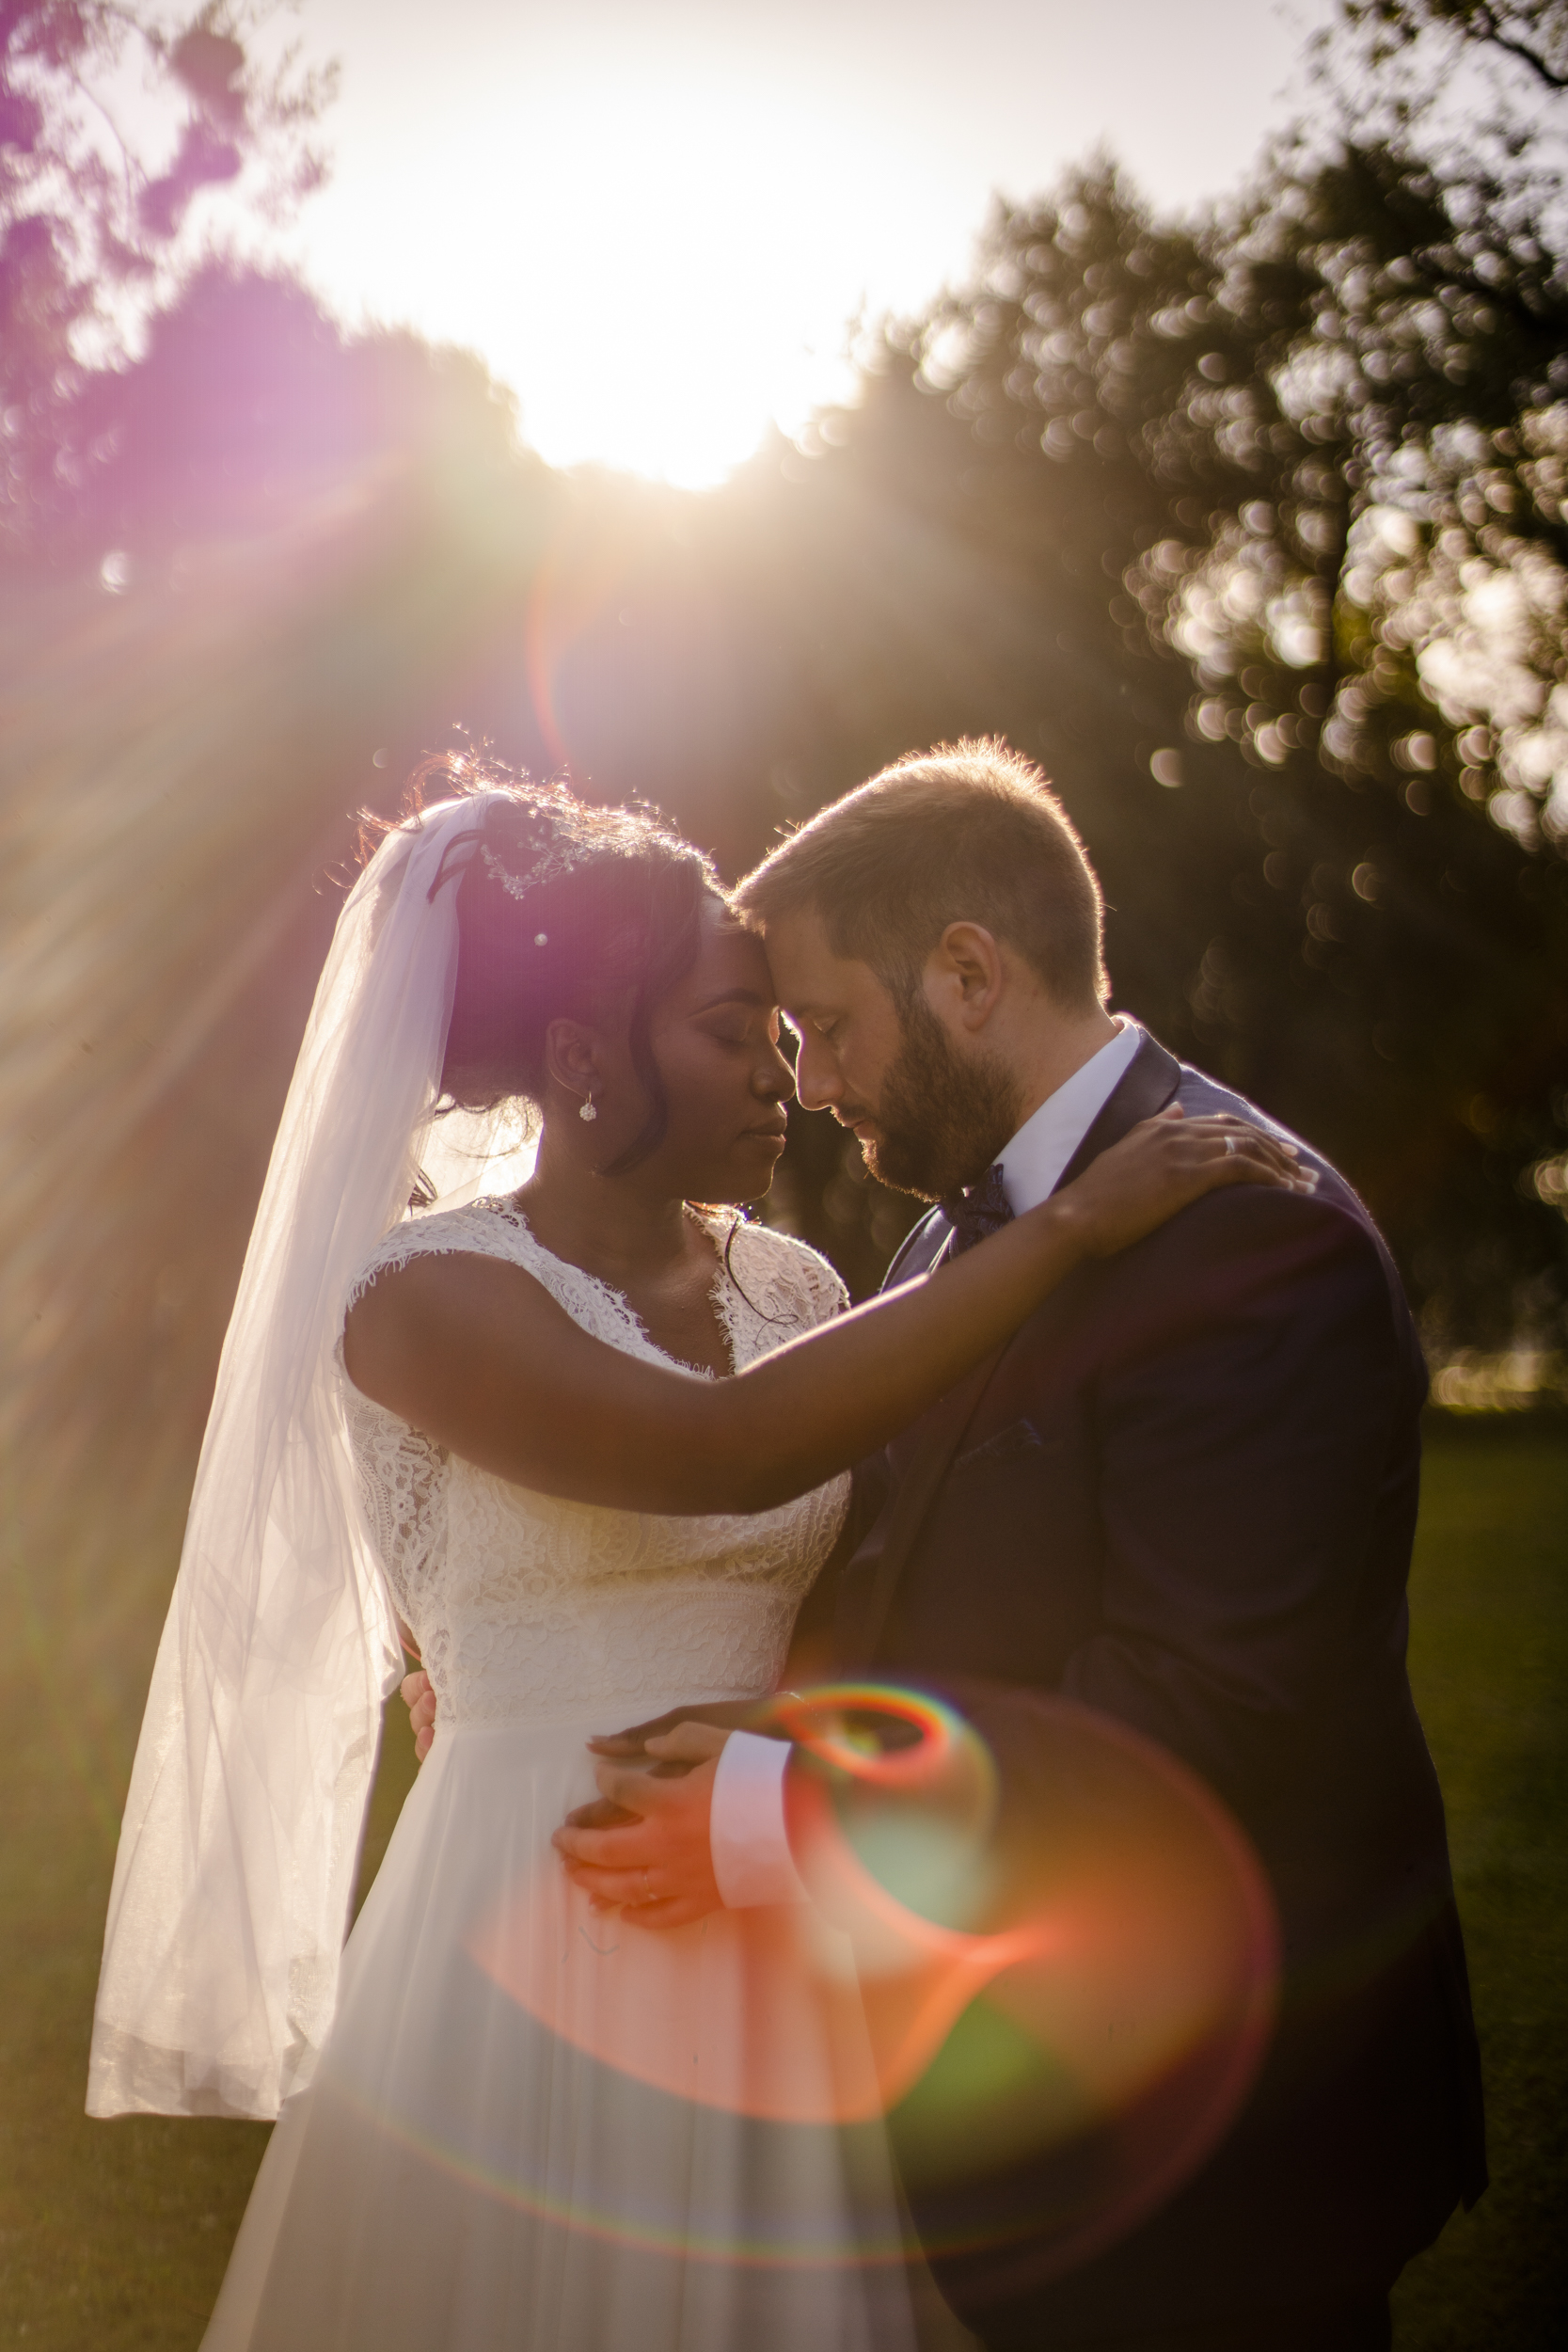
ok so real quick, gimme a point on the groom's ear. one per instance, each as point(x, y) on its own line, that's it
point(965, 974)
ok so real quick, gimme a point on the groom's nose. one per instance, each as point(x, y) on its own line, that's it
point(817, 1080)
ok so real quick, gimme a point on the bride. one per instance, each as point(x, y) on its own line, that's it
point(586, 1441)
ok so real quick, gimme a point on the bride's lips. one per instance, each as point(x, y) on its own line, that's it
point(777, 1136)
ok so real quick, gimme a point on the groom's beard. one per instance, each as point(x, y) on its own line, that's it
point(943, 1117)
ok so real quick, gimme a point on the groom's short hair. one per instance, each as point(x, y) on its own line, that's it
point(969, 832)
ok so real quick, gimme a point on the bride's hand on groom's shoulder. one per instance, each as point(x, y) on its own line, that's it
point(644, 1848)
point(1167, 1162)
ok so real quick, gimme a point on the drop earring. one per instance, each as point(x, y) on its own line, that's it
point(585, 1108)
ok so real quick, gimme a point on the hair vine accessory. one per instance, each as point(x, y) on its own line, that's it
point(555, 858)
point(585, 1109)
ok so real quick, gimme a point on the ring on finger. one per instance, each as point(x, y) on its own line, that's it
point(1231, 1145)
point(647, 1888)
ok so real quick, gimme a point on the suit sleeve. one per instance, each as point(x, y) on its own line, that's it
point(1247, 1418)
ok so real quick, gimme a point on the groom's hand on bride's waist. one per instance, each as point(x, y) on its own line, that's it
point(729, 1715)
point(644, 1848)
point(724, 1714)
point(644, 1845)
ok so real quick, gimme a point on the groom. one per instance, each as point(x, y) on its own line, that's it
point(1183, 1494)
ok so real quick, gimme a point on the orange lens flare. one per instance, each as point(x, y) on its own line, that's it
point(1072, 1962)
point(910, 1737)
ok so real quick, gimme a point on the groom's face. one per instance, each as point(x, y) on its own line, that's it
point(929, 1117)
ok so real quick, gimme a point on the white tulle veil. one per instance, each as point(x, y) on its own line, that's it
point(242, 1828)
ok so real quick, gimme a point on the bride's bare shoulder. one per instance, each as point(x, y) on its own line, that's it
point(434, 1285)
point(482, 1229)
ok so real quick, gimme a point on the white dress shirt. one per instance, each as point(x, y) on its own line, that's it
point(752, 1860)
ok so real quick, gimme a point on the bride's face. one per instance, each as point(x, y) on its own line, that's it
point(715, 1037)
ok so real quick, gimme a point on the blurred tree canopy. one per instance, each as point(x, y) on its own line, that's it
point(113, 122)
point(1392, 57)
point(1252, 529)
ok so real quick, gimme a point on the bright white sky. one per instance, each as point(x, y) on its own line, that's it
point(655, 221)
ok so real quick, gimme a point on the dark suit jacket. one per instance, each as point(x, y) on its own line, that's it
point(1184, 1493)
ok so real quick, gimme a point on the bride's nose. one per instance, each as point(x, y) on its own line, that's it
point(773, 1078)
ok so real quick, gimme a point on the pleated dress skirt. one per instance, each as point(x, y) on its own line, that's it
point(537, 2125)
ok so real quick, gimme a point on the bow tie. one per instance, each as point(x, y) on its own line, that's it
point(979, 1210)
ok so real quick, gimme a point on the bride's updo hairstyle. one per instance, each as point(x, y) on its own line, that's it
point(565, 912)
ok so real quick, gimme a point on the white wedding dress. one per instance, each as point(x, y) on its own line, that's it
point(534, 2125)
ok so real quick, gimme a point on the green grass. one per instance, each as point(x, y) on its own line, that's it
point(1489, 1661)
point(114, 2236)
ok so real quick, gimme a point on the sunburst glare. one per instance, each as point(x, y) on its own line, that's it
point(620, 272)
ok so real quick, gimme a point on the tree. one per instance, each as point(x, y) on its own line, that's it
point(1386, 62)
point(96, 230)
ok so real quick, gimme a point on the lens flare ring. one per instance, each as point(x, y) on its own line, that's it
point(1068, 1966)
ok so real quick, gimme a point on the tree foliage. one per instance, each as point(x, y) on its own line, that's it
point(1369, 37)
point(96, 217)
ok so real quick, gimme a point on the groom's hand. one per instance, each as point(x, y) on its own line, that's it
point(726, 1714)
point(644, 1848)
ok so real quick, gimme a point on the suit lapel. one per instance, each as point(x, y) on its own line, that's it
point(919, 1250)
point(1147, 1084)
point(870, 1585)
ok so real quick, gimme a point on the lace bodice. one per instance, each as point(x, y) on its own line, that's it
point(527, 1606)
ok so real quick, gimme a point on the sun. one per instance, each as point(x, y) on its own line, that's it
point(655, 263)
point(648, 308)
